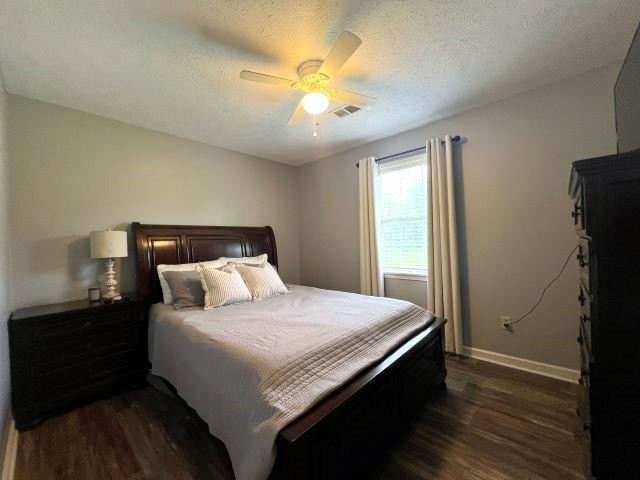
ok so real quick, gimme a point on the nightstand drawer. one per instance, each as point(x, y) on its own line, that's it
point(81, 325)
point(60, 381)
point(61, 354)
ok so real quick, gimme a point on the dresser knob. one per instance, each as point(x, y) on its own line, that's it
point(581, 260)
point(576, 211)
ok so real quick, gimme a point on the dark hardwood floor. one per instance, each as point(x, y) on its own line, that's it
point(491, 423)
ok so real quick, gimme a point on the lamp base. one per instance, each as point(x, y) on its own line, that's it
point(111, 297)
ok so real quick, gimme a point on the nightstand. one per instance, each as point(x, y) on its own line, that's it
point(68, 353)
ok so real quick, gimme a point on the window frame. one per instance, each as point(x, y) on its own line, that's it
point(410, 274)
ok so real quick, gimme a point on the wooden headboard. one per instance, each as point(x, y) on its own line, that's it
point(173, 244)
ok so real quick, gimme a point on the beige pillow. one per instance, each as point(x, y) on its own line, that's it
point(256, 261)
point(263, 282)
point(222, 286)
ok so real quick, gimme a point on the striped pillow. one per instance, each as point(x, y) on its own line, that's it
point(263, 282)
point(222, 286)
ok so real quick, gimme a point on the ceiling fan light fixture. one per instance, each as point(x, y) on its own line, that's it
point(315, 103)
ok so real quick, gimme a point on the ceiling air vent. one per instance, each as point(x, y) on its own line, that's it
point(345, 111)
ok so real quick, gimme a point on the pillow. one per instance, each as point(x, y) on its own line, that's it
point(186, 288)
point(263, 282)
point(256, 261)
point(167, 297)
point(222, 286)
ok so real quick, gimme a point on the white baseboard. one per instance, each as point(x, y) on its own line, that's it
point(553, 371)
point(10, 451)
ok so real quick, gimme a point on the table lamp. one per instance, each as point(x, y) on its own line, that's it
point(109, 244)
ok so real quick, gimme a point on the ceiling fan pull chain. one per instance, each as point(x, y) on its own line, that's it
point(315, 126)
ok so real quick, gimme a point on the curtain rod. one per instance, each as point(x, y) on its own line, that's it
point(454, 139)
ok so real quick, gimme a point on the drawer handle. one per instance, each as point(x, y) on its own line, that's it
point(581, 260)
point(581, 298)
point(584, 318)
point(576, 211)
point(579, 340)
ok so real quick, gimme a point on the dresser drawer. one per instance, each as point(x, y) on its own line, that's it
point(584, 259)
point(81, 325)
point(584, 298)
point(62, 380)
point(585, 330)
point(92, 346)
point(585, 365)
point(584, 408)
point(577, 214)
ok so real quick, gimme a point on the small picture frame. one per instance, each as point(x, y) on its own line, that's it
point(94, 294)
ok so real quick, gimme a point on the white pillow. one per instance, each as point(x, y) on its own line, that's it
point(167, 297)
point(257, 261)
point(263, 282)
point(222, 286)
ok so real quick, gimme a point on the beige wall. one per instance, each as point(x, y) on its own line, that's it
point(72, 173)
point(513, 211)
point(5, 283)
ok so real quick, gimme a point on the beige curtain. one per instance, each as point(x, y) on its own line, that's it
point(371, 280)
point(443, 282)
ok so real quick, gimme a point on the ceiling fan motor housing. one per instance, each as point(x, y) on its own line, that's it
point(308, 68)
point(312, 81)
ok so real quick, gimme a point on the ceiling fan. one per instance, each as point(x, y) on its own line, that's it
point(315, 78)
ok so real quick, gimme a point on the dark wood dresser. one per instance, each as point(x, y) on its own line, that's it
point(606, 214)
point(67, 353)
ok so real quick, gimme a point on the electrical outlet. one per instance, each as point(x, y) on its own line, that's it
point(505, 323)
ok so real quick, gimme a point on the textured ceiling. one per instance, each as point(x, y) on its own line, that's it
point(173, 65)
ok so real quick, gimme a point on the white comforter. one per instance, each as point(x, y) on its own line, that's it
point(250, 369)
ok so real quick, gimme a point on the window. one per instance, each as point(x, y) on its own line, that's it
point(402, 207)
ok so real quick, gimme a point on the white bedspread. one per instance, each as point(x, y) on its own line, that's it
point(250, 369)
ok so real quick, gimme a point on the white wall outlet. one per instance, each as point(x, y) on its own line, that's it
point(505, 323)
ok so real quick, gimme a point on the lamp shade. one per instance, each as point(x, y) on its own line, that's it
point(108, 244)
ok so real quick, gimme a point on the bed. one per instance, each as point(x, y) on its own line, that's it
point(338, 434)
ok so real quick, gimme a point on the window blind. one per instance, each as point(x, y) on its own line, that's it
point(402, 204)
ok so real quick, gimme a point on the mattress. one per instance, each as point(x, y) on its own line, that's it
point(250, 369)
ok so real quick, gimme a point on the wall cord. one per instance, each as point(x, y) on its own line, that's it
point(544, 290)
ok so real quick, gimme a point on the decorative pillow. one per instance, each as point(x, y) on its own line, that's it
point(255, 261)
point(167, 297)
point(263, 282)
point(186, 288)
point(222, 286)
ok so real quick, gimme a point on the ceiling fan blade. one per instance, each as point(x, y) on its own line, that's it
point(298, 114)
point(345, 97)
point(262, 78)
point(344, 47)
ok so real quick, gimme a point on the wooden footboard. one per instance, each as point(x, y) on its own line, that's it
point(340, 436)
